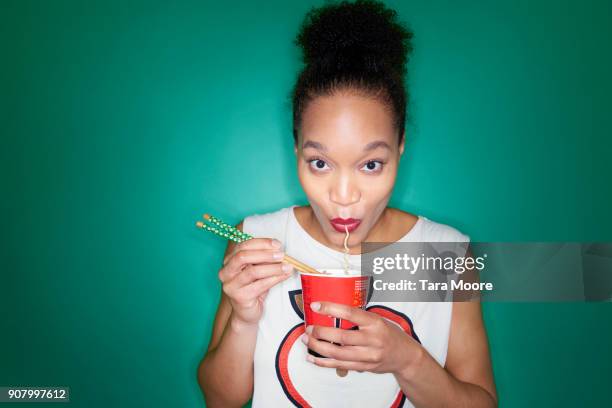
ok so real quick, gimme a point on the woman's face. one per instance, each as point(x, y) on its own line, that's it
point(348, 156)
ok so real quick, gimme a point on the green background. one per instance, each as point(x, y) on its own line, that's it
point(124, 121)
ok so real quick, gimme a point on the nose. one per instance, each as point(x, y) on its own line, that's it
point(344, 191)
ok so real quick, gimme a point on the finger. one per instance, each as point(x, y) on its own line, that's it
point(340, 336)
point(264, 295)
point(253, 290)
point(254, 243)
point(258, 287)
point(252, 273)
point(346, 365)
point(353, 314)
point(343, 353)
point(249, 256)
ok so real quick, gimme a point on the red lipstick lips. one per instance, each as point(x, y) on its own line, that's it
point(339, 223)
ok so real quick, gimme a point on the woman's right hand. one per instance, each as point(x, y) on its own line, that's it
point(249, 272)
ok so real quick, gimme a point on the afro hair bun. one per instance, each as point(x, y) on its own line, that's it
point(359, 35)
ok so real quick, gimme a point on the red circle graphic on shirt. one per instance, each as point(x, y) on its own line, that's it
point(282, 355)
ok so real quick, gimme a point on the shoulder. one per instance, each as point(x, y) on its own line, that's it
point(267, 224)
point(425, 229)
point(433, 231)
point(268, 216)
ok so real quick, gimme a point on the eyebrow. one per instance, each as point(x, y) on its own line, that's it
point(370, 146)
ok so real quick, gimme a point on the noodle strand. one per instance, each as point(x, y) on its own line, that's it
point(346, 251)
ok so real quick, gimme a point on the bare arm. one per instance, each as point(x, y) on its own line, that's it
point(225, 374)
point(382, 347)
point(227, 383)
point(467, 380)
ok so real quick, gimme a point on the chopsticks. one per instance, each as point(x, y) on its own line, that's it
point(226, 231)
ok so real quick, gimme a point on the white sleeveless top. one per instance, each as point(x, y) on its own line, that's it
point(282, 375)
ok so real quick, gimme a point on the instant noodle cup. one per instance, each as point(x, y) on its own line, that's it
point(336, 286)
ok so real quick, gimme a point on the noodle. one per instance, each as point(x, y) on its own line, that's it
point(346, 251)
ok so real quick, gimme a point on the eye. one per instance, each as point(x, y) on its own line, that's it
point(317, 164)
point(373, 166)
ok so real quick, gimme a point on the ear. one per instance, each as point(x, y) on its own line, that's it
point(296, 143)
point(296, 146)
point(402, 144)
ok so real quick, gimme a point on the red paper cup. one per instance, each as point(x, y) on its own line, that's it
point(347, 289)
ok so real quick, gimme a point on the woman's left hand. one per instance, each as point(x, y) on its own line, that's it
point(379, 345)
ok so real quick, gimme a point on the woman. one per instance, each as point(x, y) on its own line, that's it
point(349, 106)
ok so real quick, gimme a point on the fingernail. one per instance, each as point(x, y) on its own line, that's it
point(315, 306)
point(305, 338)
point(278, 255)
point(276, 243)
point(310, 358)
point(287, 268)
point(309, 329)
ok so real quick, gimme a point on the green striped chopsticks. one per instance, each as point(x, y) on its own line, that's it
point(223, 229)
point(226, 231)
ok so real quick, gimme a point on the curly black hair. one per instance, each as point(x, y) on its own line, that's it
point(358, 46)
